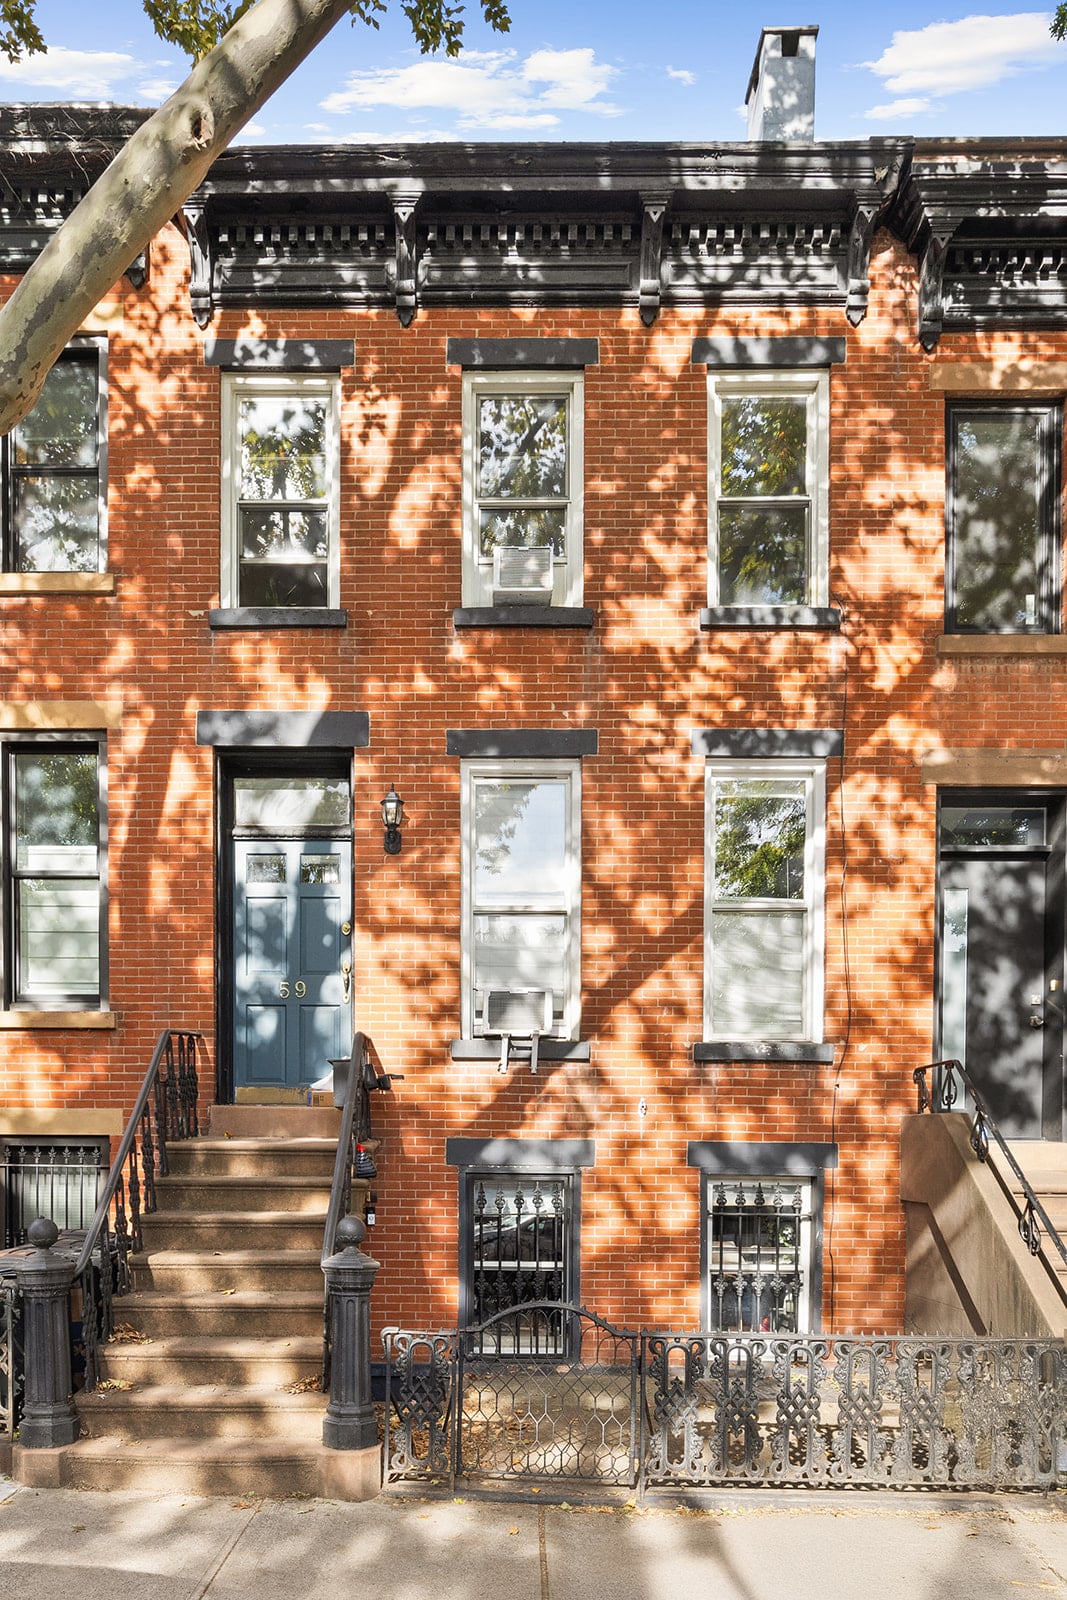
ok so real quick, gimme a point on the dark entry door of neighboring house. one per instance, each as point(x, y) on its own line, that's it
point(291, 873)
point(1002, 953)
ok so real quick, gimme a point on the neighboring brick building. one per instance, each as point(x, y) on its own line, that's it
point(760, 779)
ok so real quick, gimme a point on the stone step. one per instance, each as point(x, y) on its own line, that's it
point(204, 1411)
point(267, 1192)
point(260, 1271)
point(199, 1360)
point(219, 1313)
point(274, 1122)
point(253, 1157)
point(226, 1230)
point(266, 1468)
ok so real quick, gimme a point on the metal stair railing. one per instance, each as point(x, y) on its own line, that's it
point(355, 1078)
point(165, 1112)
point(1034, 1222)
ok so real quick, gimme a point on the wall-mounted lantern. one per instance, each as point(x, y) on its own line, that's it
point(392, 817)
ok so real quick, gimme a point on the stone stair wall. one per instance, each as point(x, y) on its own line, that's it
point(211, 1384)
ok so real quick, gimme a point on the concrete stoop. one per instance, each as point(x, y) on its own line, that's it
point(210, 1384)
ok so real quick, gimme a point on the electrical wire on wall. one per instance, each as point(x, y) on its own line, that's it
point(846, 966)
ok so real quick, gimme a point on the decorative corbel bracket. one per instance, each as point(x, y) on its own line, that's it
point(407, 265)
point(654, 207)
point(860, 236)
point(931, 286)
point(199, 242)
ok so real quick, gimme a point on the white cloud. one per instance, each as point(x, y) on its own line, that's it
point(899, 110)
point(681, 75)
point(157, 90)
point(86, 74)
point(487, 89)
point(973, 53)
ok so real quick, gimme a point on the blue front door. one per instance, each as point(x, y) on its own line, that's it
point(292, 959)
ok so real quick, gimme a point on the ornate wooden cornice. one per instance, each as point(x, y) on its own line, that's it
point(987, 220)
point(641, 224)
point(49, 157)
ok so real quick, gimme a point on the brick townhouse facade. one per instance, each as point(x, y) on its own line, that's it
point(677, 531)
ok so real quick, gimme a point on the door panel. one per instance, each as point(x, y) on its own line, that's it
point(994, 969)
point(291, 1011)
point(1002, 953)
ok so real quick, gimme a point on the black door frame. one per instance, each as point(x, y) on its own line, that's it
point(1054, 802)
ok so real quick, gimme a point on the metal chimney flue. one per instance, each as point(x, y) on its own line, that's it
point(781, 90)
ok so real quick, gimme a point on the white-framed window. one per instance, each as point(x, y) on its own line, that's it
point(280, 491)
point(56, 907)
point(521, 831)
point(768, 459)
point(759, 1249)
point(764, 900)
point(522, 487)
point(52, 464)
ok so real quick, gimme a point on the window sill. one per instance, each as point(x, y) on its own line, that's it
point(1002, 644)
point(547, 1049)
point(781, 618)
point(278, 617)
point(522, 617)
point(69, 583)
point(17, 1020)
point(759, 1050)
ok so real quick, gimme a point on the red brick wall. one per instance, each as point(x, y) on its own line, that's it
point(644, 678)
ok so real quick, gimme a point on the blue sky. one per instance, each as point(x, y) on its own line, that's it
point(598, 70)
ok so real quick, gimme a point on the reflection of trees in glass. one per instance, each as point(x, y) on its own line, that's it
point(56, 800)
point(283, 523)
point(283, 448)
point(760, 830)
point(992, 826)
point(763, 523)
point(999, 472)
point(498, 810)
point(764, 445)
point(522, 457)
point(54, 454)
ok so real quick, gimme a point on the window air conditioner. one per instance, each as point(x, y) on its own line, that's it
point(520, 1016)
point(522, 575)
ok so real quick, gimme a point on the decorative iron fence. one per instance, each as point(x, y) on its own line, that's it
point(705, 1410)
point(10, 1366)
point(58, 1179)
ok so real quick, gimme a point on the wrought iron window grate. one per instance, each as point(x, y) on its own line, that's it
point(758, 1255)
point(519, 1255)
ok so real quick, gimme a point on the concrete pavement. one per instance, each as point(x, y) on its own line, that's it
point(59, 1543)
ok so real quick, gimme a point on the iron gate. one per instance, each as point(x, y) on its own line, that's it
point(455, 1409)
point(704, 1409)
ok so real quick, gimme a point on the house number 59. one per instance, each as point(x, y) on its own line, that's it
point(299, 988)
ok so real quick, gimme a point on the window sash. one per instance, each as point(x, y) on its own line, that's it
point(787, 564)
point(56, 908)
point(54, 500)
point(280, 549)
point(552, 518)
point(1002, 518)
point(763, 952)
point(526, 933)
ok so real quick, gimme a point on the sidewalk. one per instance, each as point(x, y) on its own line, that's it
point(56, 1544)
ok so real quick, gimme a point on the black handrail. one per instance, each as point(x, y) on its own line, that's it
point(1032, 1216)
point(352, 1132)
point(165, 1110)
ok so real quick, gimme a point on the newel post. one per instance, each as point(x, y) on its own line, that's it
point(350, 1422)
point(44, 1280)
